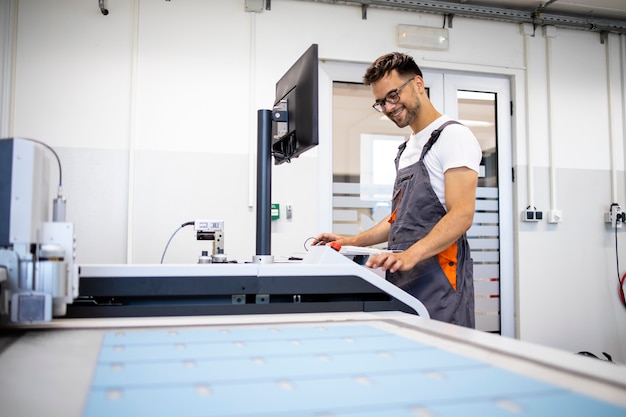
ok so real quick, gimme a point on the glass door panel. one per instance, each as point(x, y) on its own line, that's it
point(364, 148)
point(483, 104)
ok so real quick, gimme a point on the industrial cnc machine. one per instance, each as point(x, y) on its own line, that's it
point(322, 337)
point(40, 279)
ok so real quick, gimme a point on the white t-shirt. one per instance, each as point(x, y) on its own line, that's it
point(456, 147)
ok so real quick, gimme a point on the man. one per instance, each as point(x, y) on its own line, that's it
point(433, 197)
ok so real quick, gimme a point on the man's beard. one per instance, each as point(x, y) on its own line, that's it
point(410, 114)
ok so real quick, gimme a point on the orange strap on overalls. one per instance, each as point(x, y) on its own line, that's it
point(397, 195)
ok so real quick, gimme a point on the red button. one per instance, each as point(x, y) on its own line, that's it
point(336, 246)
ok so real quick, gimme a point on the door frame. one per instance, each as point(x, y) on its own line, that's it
point(443, 86)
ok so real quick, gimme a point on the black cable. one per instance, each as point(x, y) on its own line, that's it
point(102, 7)
point(608, 357)
point(621, 290)
point(173, 234)
point(307, 239)
point(620, 281)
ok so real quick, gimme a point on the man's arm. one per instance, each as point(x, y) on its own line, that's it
point(460, 192)
point(372, 236)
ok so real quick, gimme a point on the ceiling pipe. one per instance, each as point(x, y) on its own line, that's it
point(537, 16)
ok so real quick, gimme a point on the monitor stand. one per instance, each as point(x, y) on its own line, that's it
point(264, 188)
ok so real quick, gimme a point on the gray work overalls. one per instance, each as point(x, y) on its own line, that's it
point(415, 211)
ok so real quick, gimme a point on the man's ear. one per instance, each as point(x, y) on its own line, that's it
point(419, 82)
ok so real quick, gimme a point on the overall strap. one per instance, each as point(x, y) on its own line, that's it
point(435, 135)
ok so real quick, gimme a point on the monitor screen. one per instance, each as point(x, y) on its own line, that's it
point(295, 113)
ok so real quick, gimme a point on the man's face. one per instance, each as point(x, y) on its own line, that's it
point(407, 106)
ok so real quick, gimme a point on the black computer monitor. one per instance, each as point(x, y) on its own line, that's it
point(286, 131)
point(295, 112)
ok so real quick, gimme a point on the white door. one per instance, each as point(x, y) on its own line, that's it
point(483, 103)
point(356, 168)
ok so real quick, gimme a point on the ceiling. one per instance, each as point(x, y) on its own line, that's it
point(593, 15)
point(612, 9)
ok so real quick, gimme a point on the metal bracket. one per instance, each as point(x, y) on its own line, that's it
point(449, 18)
point(603, 37)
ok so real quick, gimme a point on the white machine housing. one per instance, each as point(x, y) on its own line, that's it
point(38, 277)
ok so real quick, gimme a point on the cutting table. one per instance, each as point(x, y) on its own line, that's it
point(376, 354)
point(311, 364)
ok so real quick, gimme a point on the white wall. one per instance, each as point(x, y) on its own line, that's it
point(153, 110)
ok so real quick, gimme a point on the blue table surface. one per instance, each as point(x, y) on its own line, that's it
point(311, 370)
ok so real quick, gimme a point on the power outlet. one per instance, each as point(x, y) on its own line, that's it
point(555, 216)
point(529, 215)
point(614, 216)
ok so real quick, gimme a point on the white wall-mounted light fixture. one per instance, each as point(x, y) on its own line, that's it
point(422, 37)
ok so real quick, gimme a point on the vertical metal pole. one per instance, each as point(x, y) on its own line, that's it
point(264, 184)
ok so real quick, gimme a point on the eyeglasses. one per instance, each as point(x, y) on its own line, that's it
point(392, 97)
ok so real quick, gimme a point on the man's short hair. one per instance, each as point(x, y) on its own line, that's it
point(402, 63)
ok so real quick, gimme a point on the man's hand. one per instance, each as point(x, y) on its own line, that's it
point(326, 238)
point(391, 261)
